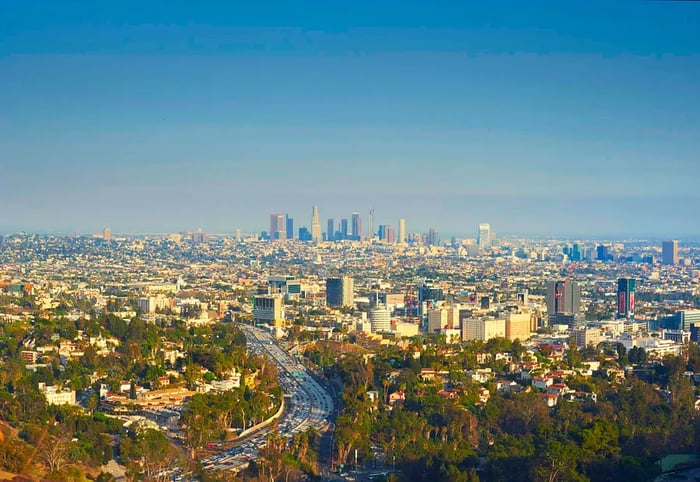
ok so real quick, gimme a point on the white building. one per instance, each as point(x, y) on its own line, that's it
point(380, 319)
point(55, 396)
point(483, 329)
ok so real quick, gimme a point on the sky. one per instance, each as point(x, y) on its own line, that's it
point(576, 119)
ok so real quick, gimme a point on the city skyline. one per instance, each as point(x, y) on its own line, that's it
point(574, 120)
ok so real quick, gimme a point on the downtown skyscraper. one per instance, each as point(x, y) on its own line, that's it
point(356, 233)
point(278, 227)
point(316, 235)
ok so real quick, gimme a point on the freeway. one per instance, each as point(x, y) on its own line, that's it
point(308, 404)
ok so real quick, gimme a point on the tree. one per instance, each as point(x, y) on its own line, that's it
point(54, 451)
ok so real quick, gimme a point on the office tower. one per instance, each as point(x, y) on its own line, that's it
point(278, 228)
point(475, 329)
point(518, 326)
point(432, 238)
point(625, 297)
point(316, 235)
point(238, 235)
point(304, 234)
point(289, 224)
point(603, 253)
point(484, 235)
point(340, 291)
point(586, 336)
point(107, 234)
point(563, 301)
point(576, 253)
point(370, 224)
point(330, 230)
point(669, 252)
point(380, 319)
point(269, 309)
point(389, 234)
point(402, 231)
point(344, 228)
point(356, 227)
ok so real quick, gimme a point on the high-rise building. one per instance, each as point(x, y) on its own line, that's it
point(432, 238)
point(402, 231)
point(484, 235)
point(625, 297)
point(669, 252)
point(330, 230)
point(356, 227)
point(586, 336)
point(474, 329)
point(370, 224)
point(603, 253)
point(278, 227)
point(563, 301)
point(340, 291)
point(289, 227)
point(316, 235)
point(344, 228)
point(238, 235)
point(107, 234)
point(304, 234)
point(380, 319)
point(269, 309)
point(518, 326)
point(389, 234)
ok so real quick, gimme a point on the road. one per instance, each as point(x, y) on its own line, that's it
point(308, 404)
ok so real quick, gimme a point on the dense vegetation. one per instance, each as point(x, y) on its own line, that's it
point(514, 435)
point(72, 442)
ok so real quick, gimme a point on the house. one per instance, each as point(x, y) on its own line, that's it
point(550, 399)
point(558, 388)
point(484, 394)
point(397, 397)
point(481, 375)
point(448, 394)
point(542, 383)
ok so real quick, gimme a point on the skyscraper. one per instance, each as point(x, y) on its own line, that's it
point(563, 301)
point(278, 228)
point(389, 234)
point(340, 291)
point(290, 227)
point(344, 228)
point(107, 234)
point(432, 238)
point(669, 252)
point(356, 227)
point(625, 297)
point(484, 235)
point(370, 224)
point(316, 235)
point(330, 230)
point(402, 231)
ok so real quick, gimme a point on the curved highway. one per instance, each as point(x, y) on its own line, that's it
point(308, 404)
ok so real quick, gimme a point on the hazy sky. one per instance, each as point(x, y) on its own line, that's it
point(552, 118)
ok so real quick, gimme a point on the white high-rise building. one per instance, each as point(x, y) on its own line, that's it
point(484, 235)
point(402, 231)
point(483, 329)
point(380, 319)
point(316, 235)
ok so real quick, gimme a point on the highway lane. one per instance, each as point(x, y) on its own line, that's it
point(308, 403)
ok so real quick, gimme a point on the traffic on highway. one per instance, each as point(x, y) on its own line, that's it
point(307, 403)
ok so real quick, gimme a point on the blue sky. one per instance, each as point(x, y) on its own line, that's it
point(580, 119)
